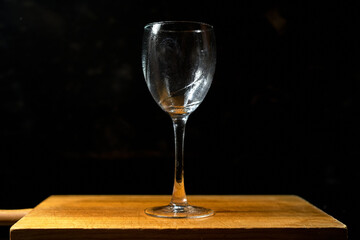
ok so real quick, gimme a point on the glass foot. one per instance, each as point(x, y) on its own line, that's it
point(173, 211)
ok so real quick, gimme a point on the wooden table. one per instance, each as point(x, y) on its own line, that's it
point(122, 217)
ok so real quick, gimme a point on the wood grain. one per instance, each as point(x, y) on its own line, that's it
point(123, 217)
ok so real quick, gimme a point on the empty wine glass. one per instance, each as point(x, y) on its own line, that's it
point(178, 61)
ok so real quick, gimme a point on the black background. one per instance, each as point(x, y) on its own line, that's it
point(281, 116)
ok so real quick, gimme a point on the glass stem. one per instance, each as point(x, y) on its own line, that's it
point(179, 195)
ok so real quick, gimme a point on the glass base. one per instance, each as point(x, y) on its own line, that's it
point(173, 211)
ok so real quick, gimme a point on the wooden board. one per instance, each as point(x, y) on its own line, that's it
point(122, 217)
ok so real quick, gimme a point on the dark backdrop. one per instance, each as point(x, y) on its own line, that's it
point(281, 116)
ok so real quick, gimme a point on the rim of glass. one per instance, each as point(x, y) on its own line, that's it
point(208, 27)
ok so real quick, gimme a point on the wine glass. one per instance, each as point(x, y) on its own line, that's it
point(178, 61)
